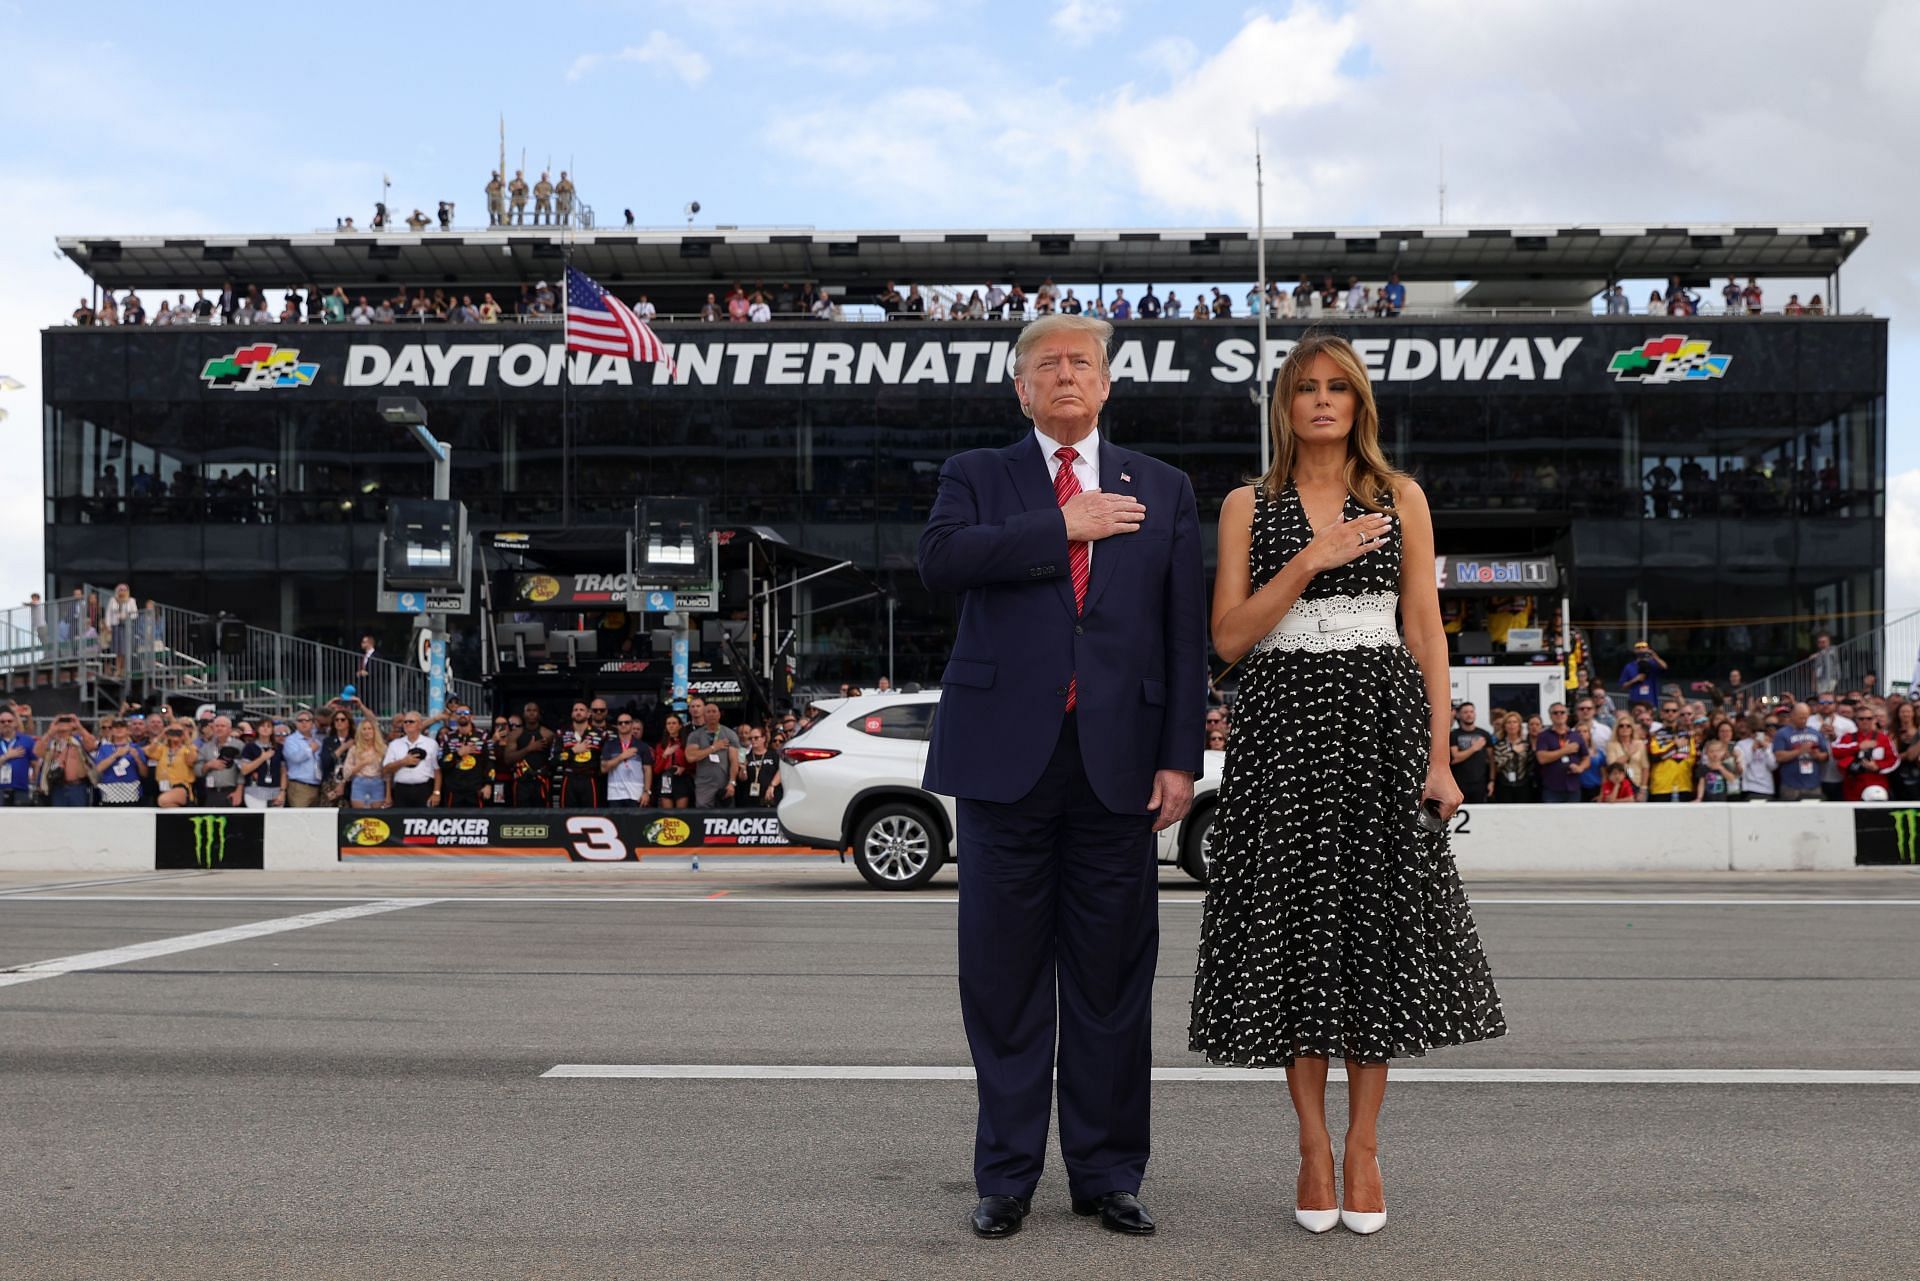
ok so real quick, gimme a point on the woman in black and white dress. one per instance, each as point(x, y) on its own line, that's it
point(1335, 926)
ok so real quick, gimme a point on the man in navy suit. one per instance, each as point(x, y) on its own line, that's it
point(1070, 730)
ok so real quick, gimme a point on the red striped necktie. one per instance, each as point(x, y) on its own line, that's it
point(1079, 561)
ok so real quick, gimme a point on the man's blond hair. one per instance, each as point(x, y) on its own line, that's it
point(1046, 327)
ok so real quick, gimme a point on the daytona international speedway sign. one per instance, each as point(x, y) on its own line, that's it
point(886, 361)
point(860, 361)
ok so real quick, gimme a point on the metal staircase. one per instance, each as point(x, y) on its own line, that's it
point(178, 655)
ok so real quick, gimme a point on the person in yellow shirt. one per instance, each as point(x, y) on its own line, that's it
point(1504, 613)
point(173, 757)
point(1672, 749)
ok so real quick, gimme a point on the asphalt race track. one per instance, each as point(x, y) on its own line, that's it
point(364, 1095)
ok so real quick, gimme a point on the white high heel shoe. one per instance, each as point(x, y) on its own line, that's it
point(1316, 1221)
point(1362, 1223)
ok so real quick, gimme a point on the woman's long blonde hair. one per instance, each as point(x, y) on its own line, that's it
point(1369, 475)
point(366, 738)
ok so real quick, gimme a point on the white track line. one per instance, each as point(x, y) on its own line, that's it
point(1414, 1076)
point(188, 942)
point(878, 899)
point(118, 880)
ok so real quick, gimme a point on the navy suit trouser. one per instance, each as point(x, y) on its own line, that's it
point(1059, 934)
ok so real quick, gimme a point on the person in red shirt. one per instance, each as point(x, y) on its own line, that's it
point(1866, 757)
point(672, 776)
point(1617, 788)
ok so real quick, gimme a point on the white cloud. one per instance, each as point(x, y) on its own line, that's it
point(658, 50)
point(1172, 56)
point(1081, 22)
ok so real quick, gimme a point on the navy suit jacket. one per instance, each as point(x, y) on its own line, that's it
point(1139, 650)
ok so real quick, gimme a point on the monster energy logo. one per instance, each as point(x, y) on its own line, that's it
point(1906, 834)
point(209, 839)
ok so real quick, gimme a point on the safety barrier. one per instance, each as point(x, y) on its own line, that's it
point(1488, 840)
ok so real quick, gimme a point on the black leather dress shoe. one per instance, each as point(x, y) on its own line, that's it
point(998, 1216)
point(1119, 1212)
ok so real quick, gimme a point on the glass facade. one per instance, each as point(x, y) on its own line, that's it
point(1739, 504)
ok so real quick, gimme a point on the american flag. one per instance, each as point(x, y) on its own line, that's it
point(599, 322)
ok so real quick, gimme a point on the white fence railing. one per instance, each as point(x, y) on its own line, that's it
point(165, 651)
point(1890, 654)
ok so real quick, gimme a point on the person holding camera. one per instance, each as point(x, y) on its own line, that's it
point(1867, 758)
point(219, 766)
point(413, 764)
point(65, 776)
point(120, 766)
point(175, 766)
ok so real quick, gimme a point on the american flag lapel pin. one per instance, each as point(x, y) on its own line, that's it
point(1127, 478)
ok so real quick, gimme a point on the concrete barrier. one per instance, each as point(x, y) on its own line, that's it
point(1593, 838)
point(1805, 837)
point(63, 840)
point(1487, 839)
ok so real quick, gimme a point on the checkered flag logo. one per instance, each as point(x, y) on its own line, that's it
point(1671, 358)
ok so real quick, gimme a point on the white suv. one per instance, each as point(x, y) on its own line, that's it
point(850, 782)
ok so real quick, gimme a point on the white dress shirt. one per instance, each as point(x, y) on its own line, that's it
point(421, 773)
point(1086, 468)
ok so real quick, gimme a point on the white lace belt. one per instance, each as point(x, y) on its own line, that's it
point(1336, 622)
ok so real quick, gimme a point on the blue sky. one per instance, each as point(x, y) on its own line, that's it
point(865, 113)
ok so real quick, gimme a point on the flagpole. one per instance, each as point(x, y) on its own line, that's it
point(1260, 252)
point(566, 377)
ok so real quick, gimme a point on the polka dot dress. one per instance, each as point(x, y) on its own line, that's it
point(1335, 925)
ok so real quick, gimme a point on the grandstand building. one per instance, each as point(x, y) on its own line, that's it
point(1721, 476)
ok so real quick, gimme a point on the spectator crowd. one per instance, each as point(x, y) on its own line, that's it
point(342, 754)
point(1592, 748)
point(249, 305)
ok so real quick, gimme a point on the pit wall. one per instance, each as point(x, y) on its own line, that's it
point(1488, 839)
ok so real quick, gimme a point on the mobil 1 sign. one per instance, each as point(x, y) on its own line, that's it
point(420, 603)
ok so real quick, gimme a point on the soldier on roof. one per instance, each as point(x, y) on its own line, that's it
point(496, 200)
point(563, 198)
point(518, 190)
point(542, 200)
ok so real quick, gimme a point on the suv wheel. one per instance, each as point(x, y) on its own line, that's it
point(897, 846)
point(1193, 844)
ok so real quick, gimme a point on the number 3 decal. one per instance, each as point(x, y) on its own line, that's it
point(600, 839)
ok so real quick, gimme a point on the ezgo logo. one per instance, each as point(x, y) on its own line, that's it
point(209, 839)
point(261, 367)
point(1669, 359)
